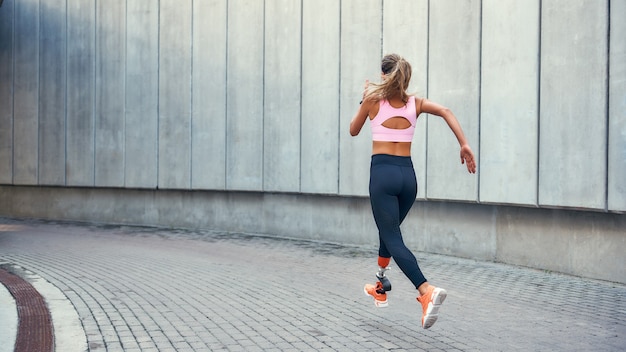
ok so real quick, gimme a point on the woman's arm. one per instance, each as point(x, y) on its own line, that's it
point(359, 119)
point(467, 156)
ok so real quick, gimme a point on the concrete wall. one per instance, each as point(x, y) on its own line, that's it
point(256, 96)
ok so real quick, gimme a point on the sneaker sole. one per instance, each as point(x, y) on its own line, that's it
point(432, 313)
point(378, 304)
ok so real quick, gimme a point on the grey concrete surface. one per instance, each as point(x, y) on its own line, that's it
point(561, 154)
point(6, 93)
point(320, 82)
point(52, 94)
point(509, 104)
point(245, 91)
point(209, 80)
point(454, 82)
point(282, 134)
point(81, 88)
point(110, 102)
point(25, 92)
point(142, 89)
point(617, 109)
point(155, 289)
point(175, 92)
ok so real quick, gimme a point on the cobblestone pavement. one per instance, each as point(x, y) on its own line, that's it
point(153, 289)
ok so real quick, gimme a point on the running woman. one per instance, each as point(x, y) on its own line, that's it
point(393, 186)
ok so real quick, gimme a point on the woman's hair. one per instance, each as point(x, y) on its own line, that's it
point(398, 75)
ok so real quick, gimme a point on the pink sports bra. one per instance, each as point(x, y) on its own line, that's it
point(385, 112)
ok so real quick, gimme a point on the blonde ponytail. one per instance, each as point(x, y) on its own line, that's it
point(398, 75)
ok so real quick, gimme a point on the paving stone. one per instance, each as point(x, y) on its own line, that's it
point(155, 289)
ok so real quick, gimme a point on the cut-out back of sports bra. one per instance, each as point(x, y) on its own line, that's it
point(397, 123)
point(394, 124)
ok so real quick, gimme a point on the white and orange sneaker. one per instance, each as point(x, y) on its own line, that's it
point(377, 291)
point(431, 302)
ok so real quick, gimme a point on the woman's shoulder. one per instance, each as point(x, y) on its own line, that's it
point(419, 101)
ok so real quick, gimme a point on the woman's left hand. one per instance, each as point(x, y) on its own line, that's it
point(467, 158)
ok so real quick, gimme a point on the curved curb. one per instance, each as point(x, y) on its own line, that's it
point(34, 331)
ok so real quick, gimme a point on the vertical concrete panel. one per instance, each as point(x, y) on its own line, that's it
point(617, 108)
point(320, 97)
point(6, 94)
point(110, 92)
point(281, 140)
point(142, 93)
point(454, 74)
point(585, 243)
point(208, 159)
point(405, 32)
point(454, 229)
point(244, 126)
point(79, 166)
point(573, 104)
point(360, 60)
point(26, 93)
point(52, 92)
point(509, 102)
point(175, 94)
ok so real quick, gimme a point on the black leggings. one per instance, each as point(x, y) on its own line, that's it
point(393, 188)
